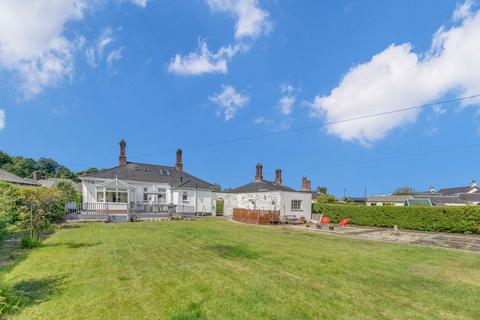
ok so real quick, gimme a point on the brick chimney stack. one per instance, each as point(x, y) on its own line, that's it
point(259, 174)
point(278, 176)
point(306, 184)
point(179, 163)
point(123, 158)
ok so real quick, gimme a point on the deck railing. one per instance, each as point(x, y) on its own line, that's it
point(131, 208)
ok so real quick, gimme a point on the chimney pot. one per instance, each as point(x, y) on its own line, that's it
point(123, 157)
point(259, 174)
point(306, 184)
point(278, 176)
point(179, 163)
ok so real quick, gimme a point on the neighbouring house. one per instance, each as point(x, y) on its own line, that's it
point(472, 188)
point(54, 182)
point(387, 200)
point(457, 196)
point(9, 177)
point(147, 188)
point(267, 195)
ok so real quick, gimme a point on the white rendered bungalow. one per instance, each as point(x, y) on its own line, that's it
point(146, 188)
point(267, 195)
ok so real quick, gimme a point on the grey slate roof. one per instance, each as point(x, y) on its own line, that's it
point(261, 186)
point(12, 178)
point(133, 171)
point(453, 191)
point(53, 183)
point(443, 200)
point(388, 198)
point(470, 197)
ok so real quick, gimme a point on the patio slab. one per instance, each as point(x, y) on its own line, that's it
point(428, 239)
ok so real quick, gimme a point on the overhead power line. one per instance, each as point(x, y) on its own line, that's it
point(313, 126)
point(399, 156)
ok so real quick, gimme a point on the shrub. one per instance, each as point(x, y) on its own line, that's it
point(28, 243)
point(445, 219)
point(9, 302)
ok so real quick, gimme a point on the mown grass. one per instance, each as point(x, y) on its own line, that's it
point(214, 269)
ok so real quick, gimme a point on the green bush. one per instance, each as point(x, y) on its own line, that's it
point(444, 219)
point(28, 243)
point(9, 302)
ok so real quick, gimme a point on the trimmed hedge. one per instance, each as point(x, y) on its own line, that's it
point(444, 219)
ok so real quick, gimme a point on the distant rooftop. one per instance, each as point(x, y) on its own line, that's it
point(12, 178)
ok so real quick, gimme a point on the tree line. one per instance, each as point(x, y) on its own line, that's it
point(45, 167)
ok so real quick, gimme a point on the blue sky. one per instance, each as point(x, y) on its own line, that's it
point(77, 76)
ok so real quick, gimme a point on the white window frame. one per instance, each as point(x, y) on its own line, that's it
point(296, 205)
point(116, 190)
point(185, 196)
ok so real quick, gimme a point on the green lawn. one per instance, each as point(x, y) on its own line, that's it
point(213, 269)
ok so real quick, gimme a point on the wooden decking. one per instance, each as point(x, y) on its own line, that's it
point(256, 216)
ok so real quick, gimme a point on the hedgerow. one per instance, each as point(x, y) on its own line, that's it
point(444, 219)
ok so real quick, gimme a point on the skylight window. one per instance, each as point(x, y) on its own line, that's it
point(164, 172)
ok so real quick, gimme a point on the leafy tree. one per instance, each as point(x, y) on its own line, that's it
point(9, 205)
point(220, 205)
point(65, 173)
point(40, 207)
point(321, 189)
point(218, 188)
point(22, 167)
point(404, 191)
point(89, 171)
point(4, 159)
point(47, 167)
point(71, 195)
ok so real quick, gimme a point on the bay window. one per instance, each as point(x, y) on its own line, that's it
point(112, 195)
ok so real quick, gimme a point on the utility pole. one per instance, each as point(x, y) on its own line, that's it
point(365, 196)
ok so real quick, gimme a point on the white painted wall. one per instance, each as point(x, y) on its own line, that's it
point(277, 200)
point(305, 197)
point(204, 201)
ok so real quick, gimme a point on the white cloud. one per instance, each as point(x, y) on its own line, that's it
point(288, 99)
point(397, 78)
point(114, 56)
point(140, 3)
point(229, 101)
point(263, 120)
point(251, 20)
point(463, 10)
point(32, 45)
point(2, 119)
point(204, 61)
point(96, 52)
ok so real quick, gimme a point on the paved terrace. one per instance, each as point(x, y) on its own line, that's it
point(428, 239)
